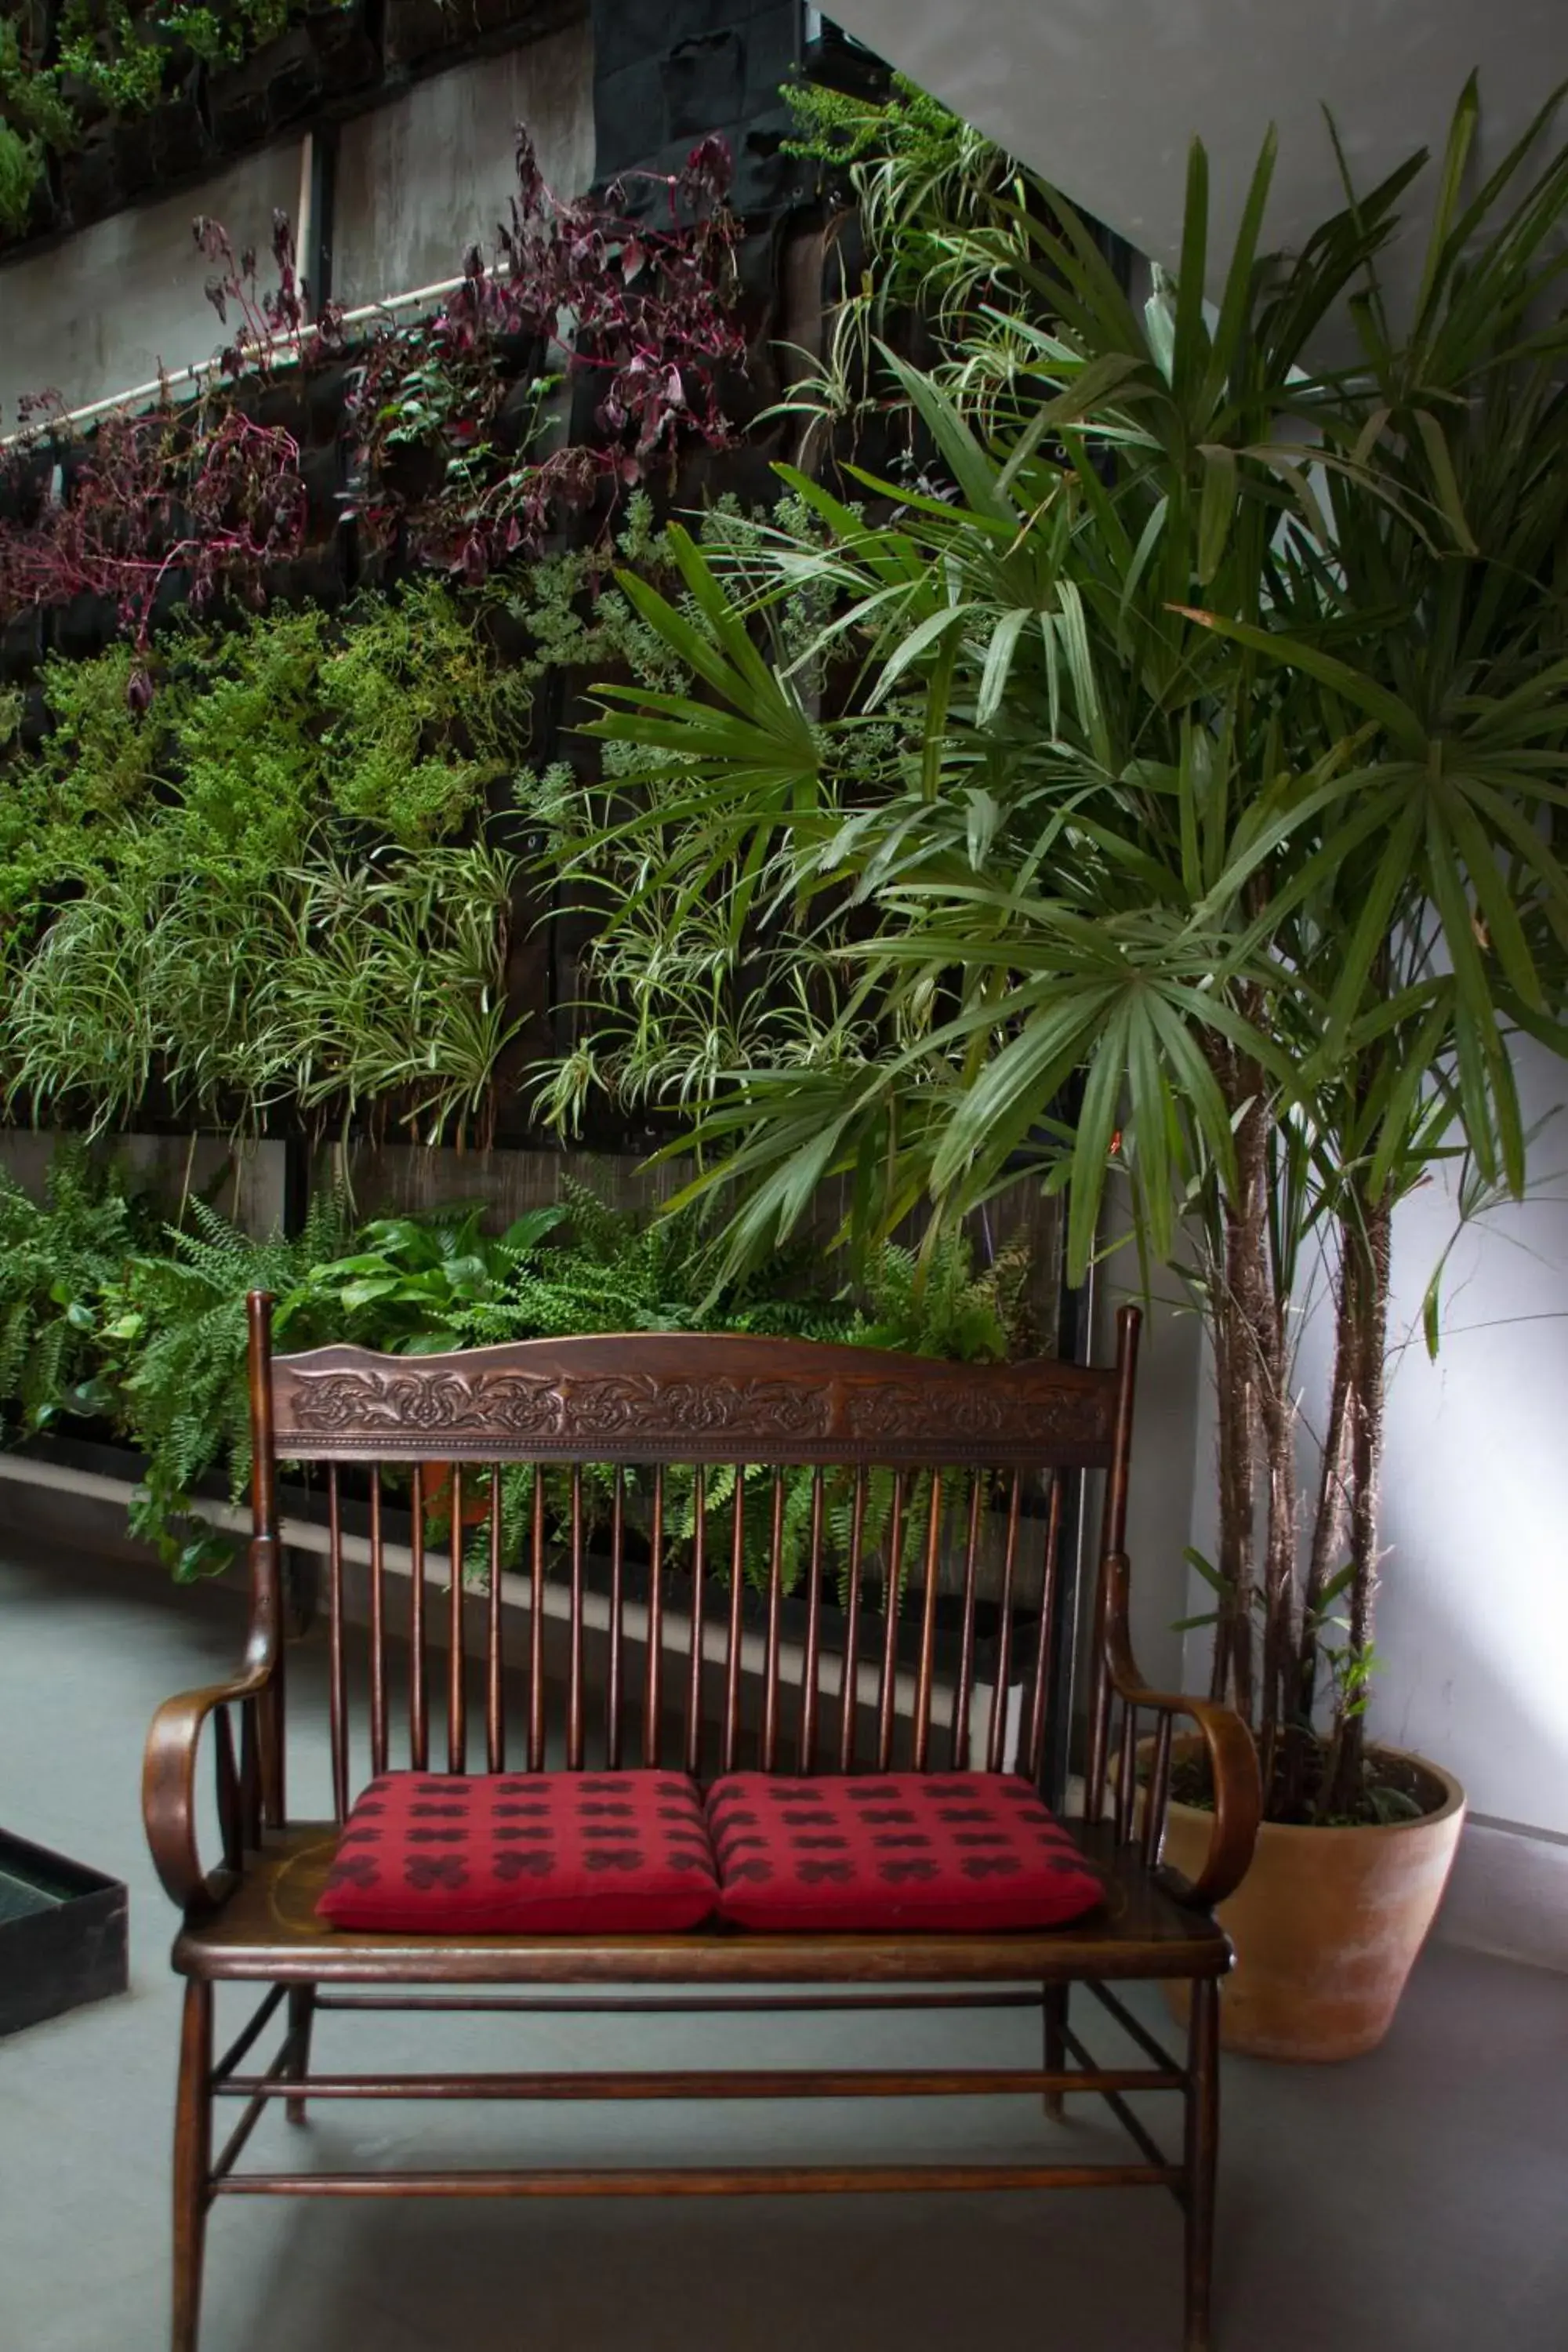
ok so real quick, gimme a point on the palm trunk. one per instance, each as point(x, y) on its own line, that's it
point(1329, 1522)
point(1366, 1243)
point(1243, 1321)
point(1280, 1639)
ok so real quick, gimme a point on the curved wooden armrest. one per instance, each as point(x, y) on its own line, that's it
point(1233, 1758)
point(168, 1787)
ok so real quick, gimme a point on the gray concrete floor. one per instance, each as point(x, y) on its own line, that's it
point(1414, 2199)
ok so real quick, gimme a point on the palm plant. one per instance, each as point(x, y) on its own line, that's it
point(1208, 843)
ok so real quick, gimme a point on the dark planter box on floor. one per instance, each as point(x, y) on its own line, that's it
point(62, 1934)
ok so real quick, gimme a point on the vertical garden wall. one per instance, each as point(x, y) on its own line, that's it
point(284, 651)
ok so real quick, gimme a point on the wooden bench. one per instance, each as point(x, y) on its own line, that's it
point(915, 1459)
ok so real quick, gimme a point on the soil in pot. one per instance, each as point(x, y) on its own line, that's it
point(1328, 1923)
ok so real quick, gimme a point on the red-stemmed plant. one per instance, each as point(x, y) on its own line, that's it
point(205, 496)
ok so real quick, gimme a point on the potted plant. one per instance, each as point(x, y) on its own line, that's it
point(1184, 739)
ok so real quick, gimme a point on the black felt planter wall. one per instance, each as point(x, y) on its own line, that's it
point(21, 648)
point(664, 76)
point(419, 29)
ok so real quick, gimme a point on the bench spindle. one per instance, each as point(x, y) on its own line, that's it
point(963, 1700)
point(775, 1608)
point(377, 1630)
point(1043, 1631)
point(418, 1692)
point(495, 1687)
point(812, 1667)
point(1127, 1777)
point(536, 1628)
point(617, 1660)
point(1158, 1795)
point(653, 1703)
point(694, 1686)
point(737, 1593)
point(337, 1692)
point(996, 1743)
point(887, 1694)
point(575, 1668)
point(928, 1627)
point(849, 1687)
point(457, 1696)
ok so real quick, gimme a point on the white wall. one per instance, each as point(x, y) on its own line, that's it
point(1472, 1610)
point(101, 312)
point(422, 179)
point(1473, 1614)
point(1105, 96)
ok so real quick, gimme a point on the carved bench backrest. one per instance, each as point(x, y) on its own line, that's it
point(660, 1495)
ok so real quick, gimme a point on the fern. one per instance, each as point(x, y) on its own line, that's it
point(55, 1261)
point(179, 1323)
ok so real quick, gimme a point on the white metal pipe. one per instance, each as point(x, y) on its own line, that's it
point(285, 354)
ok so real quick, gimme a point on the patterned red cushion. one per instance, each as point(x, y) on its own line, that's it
point(903, 1850)
point(516, 1854)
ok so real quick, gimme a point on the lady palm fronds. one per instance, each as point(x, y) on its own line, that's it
point(1212, 845)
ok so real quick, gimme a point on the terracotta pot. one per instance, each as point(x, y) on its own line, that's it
point(438, 1491)
point(1327, 1924)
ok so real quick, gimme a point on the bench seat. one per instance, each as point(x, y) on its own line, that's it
point(268, 1930)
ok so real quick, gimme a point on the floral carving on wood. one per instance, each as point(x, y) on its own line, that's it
point(405, 1410)
point(905, 1417)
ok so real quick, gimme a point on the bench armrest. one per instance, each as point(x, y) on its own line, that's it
point(1232, 1756)
point(169, 1790)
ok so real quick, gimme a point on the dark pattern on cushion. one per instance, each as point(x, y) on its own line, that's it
point(927, 1875)
point(521, 1855)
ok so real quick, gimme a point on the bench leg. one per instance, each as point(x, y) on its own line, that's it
point(301, 2010)
point(193, 2162)
point(1055, 2048)
point(1202, 2152)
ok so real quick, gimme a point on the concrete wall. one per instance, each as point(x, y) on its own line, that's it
point(424, 178)
point(251, 1190)
point(102, 312)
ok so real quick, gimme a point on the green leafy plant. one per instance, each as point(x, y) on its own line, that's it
point(615, 1272)
point(410, 1284)
point(57, 1259)
point(158, 1337)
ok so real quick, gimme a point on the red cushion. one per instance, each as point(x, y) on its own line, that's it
point(514, 1853)
point(903, 1850)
